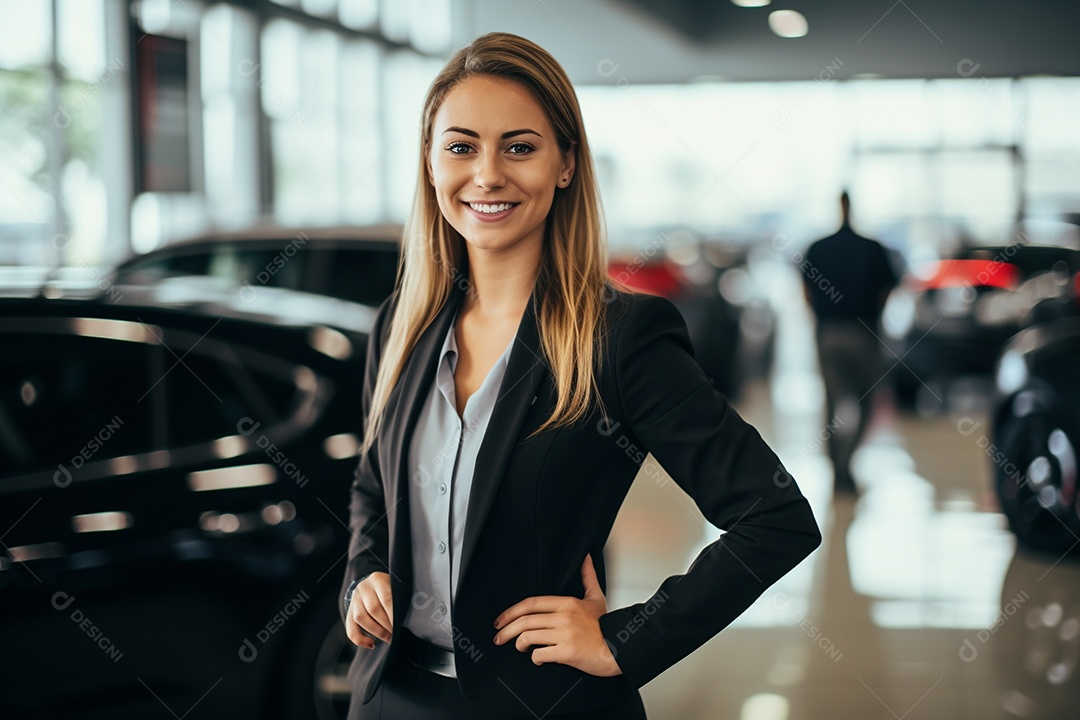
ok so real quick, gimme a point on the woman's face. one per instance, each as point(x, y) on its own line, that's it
point(495, 163)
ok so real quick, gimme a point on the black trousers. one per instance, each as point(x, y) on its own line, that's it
point(411, 693)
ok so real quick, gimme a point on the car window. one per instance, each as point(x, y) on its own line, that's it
point(70, 399)
point(363, 275)
point(150, 270)
point(259, 266)
point(188, 264)
point(215, 388)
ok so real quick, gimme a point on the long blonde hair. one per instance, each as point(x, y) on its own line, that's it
point(570, 286)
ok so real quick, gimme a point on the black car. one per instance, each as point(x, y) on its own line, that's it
point(174, 472)
point(350, 263)
point(953, 321)
point(730, 321)
point(1036, 434)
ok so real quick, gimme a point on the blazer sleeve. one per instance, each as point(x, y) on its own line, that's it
point(673, 409)
point(369, 544)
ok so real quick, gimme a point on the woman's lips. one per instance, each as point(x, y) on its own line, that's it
point(491, 216)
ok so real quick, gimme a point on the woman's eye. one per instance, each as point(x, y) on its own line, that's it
point(520, 148)
point(458, 148)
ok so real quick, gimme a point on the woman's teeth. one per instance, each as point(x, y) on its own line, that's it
point(478, 207)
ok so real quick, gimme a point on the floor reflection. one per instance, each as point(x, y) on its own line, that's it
point(917, 605)
point(1033, 645)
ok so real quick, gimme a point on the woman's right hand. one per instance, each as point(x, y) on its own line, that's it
point(371, 610)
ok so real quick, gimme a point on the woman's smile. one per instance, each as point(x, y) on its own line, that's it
point(490, 212)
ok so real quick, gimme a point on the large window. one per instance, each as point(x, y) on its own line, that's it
point(1052, 145)
point(53, 139)
point(300, 98)
point(930, 163)
point(306, 112)
point(303, 112)
point(343, 111)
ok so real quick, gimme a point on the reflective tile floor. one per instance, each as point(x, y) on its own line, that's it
point(918, 604)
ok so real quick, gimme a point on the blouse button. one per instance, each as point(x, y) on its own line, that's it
point(442, 609)
point(442, 547)
point(442, 489)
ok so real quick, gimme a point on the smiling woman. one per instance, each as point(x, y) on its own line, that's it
point(489, 476)
point(496, 187)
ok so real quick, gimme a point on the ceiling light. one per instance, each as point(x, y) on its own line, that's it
point(751, 3)
point(788, 23)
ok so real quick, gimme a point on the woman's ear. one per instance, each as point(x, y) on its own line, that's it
point(566, 171)
point(430, 172)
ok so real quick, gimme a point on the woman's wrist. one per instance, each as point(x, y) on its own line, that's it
point(352, 588)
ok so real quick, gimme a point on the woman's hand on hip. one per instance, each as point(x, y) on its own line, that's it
point(565, 629)
point(371, 610)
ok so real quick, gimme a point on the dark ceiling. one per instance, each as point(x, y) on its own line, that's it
point(892, 38)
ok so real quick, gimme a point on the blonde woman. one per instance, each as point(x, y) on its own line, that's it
point(511, 394)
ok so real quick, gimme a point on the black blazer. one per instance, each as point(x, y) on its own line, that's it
point(538, 506)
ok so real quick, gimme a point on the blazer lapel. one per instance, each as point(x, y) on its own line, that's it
point(403, 410)
point(525, 369)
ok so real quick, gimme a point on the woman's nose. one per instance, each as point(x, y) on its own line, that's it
point(489, 173)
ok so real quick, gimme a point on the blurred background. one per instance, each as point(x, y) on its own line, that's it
point(200, 208)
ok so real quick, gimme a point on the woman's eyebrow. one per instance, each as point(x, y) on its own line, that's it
point(505, 135)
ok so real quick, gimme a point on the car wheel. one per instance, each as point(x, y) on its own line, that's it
point(1035, 467)
point(315, 684)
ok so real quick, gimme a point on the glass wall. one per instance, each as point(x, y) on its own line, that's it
point(344, 111)
point(929, 163)
point(344, 117)
point(298, 113)
point(306, 112)
point(56, 80)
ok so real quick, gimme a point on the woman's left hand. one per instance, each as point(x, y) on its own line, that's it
point(566, 629)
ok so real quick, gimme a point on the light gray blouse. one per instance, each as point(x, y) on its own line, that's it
point(442, 455)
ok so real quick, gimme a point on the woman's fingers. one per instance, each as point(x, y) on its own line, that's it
point(377, 613)
point(382, 589)
point(533, 605)
point(526, 622)
point(354, 630)
point(367, 612)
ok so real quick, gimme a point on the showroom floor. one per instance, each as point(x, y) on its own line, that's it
point(916, 606)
